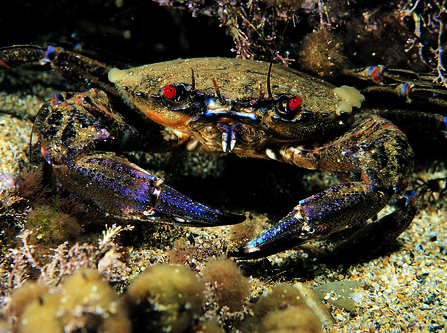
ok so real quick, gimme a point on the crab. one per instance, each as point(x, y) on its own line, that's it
point(230, 106)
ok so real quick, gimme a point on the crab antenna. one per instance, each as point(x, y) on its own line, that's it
point(218, 95)
point(269, 89)
point(193, 81)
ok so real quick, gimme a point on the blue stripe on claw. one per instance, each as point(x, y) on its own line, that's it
point(277, 238)
point(185, 211)
point(444, 128)
point(49, 55)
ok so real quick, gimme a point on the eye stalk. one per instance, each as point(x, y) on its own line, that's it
point(180, 96)
point(175, 93)
point(169, 92)
point(288, 107)
point(294, 103)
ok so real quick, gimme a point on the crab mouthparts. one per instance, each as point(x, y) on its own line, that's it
point(228, 141)
point(229, 132)
point(229, 123)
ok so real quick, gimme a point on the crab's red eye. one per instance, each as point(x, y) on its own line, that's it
point(287, 107)
point(294, 103)
point(170, 91)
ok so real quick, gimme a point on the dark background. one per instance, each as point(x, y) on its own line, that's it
point(141, 31)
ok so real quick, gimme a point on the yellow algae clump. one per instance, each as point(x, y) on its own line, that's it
point(36, 308)
point(83, 302)
point(291, 320)
point(322, 54)
point(87, 292)
point(25, 294)
point(41, 314)
point(281, 310)
point(229, 284)
point(165, 299)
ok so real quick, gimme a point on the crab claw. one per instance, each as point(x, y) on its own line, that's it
point(184, 211)
point(122, 189)
point(444, 126)
point(317, 216)
point(281, 236)
point(20, 55)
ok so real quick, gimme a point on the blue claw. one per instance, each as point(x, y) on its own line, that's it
point(124, 190)
point(184, 211)
point(444, 127)
point(287, 233)
point(49, 55)
point(317, 216)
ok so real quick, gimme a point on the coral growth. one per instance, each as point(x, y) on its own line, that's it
point(161, 298)
point(50, 225)
point(50, 219)
point(84, 302)
point(253, 25)
point(165, 299)
point(401, 33)
point(291, 320)
point(23, 262)
point(28, 183)
point(281, 310)
point(322, 54)
point(16, 195)
point(227, 283)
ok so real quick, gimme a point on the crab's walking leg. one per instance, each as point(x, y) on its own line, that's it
point(72, 66)
point(20, 55)
point(420, 126)
point(380, 160)
point(72, 130)
point(407, 85)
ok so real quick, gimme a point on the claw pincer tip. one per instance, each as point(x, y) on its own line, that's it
point(49, 55)
point(273, 240)
point(186, 211)
point(444, 129)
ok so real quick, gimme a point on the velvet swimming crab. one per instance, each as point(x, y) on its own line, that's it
point(230, 106)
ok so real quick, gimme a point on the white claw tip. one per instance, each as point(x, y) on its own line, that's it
point(270, 153)
point(251, 249)
point(224, 146)
point(232, 144)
